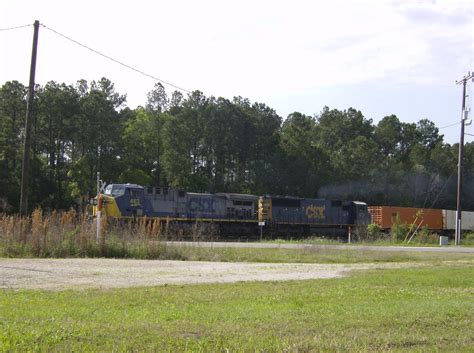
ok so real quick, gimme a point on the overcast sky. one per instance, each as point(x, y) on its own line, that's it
point(381, 57)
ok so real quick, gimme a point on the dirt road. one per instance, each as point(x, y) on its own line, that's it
point(57, 274)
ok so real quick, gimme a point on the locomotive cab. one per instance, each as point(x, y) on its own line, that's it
point(358, 213)
point(123, 200)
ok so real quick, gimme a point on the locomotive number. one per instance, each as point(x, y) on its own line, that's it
point(201, 205)
point(315, 212)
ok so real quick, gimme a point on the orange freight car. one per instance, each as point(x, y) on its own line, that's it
point(384, 216)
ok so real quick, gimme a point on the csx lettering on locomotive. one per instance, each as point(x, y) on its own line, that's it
point(315, 212)
point(198, 204)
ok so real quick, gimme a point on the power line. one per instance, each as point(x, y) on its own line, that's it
point(116, 61)
point(12, 28)
point(453, 124)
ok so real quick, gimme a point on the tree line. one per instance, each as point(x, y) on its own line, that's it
point(212, 144)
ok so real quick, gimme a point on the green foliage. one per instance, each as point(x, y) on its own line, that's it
point(468, 238)
point(216, 144)
point(399, 230)
point(425, 236)
point(374, 231)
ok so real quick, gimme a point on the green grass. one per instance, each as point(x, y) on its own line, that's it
point(419, 309)
point(467, 241)
point(309, 255)
point(143, 249)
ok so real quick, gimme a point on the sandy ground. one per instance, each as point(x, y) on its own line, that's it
point(57, 274)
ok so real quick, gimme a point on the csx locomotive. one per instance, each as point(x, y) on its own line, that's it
point(235, 213)
point(294, 215)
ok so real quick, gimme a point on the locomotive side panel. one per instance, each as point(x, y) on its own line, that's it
point(205, 206)
point(240, 206)
point(163, 202)
point(287, 210)
point(312, 211)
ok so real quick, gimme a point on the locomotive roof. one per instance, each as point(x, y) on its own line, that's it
point(359, 203)
point(127, 185)
point(200, 194)
point(231, 195)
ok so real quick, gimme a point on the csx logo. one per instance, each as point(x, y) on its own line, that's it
point(315, 212)
point(201, 205)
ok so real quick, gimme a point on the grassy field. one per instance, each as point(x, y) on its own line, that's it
point(419, 309)
point(308, 255)
point(146, 249)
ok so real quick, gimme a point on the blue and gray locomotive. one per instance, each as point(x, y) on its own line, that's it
point(294, 215)
point(131, 201)
point(235, 214)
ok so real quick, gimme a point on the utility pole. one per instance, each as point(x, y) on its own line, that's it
point(99, 208)
point(25, 169)
point(457, 238)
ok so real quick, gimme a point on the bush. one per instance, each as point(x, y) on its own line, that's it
point(399, 230)
point(468, 238)
point(425, 236)
point(374, 231)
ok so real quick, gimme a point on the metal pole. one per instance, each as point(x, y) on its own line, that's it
point(25, 169)
point(458, 234)
point(99, 209)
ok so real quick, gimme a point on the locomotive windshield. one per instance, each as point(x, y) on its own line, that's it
point(115, 190)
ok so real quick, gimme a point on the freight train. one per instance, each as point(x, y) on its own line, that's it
point(235, 214)
point(240, 215)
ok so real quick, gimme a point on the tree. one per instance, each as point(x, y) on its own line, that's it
point(12, 121)
point(388, 135)
point(264, 173)
point(142, 146)
point(58, 109)
point(184, 153)
point(157, 99)
point(98, 135)
point(305, 164)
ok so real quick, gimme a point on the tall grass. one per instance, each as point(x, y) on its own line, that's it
point(69, 234)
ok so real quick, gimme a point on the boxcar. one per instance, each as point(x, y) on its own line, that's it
point(385, 216)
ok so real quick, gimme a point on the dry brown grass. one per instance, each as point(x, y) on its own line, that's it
point(70, 234)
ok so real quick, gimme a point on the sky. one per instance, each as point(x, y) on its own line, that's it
point(382, 57)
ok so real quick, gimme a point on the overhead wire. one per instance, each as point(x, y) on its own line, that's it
point(115, 60)
point(12, 28)
point(450, 125)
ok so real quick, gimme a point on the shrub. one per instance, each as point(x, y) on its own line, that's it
point(425, 236)
point(468, 238)
point(374, 231)
point(399, 230)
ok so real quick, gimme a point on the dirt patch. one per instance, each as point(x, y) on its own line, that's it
point(57, 274)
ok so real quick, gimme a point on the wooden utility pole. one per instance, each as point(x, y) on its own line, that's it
point(25, 169)
point(457, 237)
